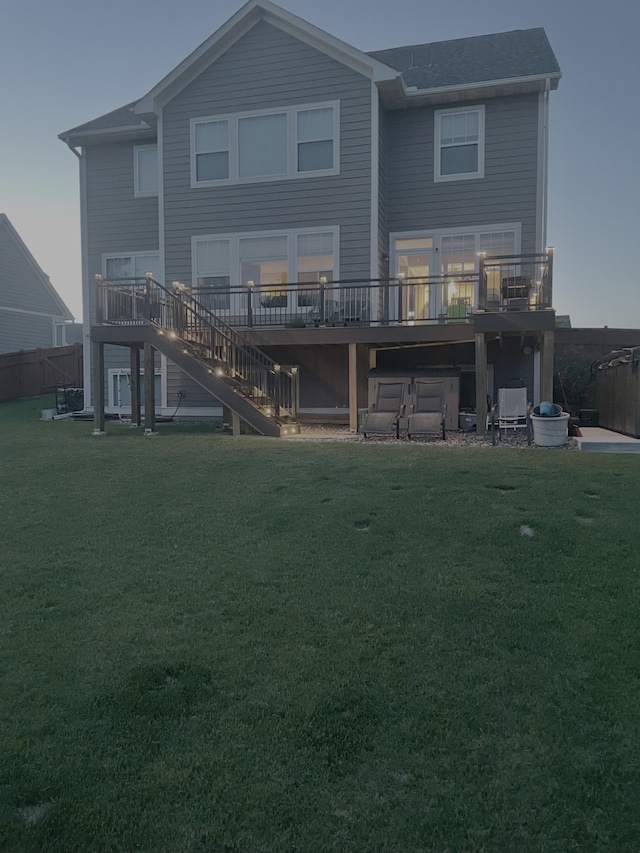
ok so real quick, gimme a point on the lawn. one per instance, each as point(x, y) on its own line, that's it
point(228, 645)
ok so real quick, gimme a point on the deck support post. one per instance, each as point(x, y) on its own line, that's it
point(353, 387)
point(135, 387)
point(481, 384)
point(149, 389)
point(546, 365)
point(97, 352)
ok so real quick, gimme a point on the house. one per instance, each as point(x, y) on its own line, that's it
point(285, 220)
point(32, 314)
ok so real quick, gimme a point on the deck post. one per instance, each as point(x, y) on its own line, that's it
point(97, 352)
point(546, 365)
point(149, 389)
point(481, 384)
point(353, 387)
point(135, 387)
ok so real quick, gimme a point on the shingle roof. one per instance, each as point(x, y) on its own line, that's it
point(478, 59)
point(123, 117)
point(500, 56)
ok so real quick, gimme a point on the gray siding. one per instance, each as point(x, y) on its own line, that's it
point(117, 221)
point(20, 284)
point(507, 193)
point(269, 68)
point(383, 170)
point(24, 331)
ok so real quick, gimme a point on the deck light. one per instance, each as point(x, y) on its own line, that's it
point(219, 371)
point(276, 368)
point(174, 335)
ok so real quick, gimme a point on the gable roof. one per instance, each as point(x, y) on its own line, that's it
point(479, 66)
point(241, 23)
point(118, 123)
point(31, 261)
point(518, 54)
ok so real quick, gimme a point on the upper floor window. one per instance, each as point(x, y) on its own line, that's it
point(459, 144)
point(145, 170)
point(266, 145)
point(131, 266)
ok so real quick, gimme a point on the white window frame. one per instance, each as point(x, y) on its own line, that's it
point(113, 406)
point(438, 234)
point(292, 253)
point(437, 147)
point(292, 172)
point(137, 192)
point(109, 256)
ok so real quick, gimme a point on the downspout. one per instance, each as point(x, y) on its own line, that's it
point(547, 88)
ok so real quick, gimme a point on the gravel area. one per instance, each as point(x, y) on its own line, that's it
point(325, 432)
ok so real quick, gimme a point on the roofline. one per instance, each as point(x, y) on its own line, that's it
point(131, 130)
point(4, 220)
point(236, 27)
point(408, 96)
point(504, 81)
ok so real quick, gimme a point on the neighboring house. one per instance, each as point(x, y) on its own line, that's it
point(351, 214)
point(32, 315)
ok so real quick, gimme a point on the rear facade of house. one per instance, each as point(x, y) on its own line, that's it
point(355, 215)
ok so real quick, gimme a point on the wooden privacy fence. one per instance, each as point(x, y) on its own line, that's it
point(30, 373)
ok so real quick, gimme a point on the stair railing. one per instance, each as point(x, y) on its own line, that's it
point(269, 385)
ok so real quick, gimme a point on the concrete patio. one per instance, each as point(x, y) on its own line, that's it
point(599, 440)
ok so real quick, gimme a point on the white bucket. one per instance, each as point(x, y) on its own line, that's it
point(550, 432)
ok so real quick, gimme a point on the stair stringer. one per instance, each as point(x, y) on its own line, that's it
point(219, 387)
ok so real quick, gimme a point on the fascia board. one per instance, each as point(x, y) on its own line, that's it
point(236, 27)
point(107, 134)
point(35, 266)
point(484, 84)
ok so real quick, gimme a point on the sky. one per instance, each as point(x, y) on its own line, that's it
point(65, 62)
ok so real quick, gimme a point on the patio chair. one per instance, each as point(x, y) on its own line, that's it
point(429, 409)
point(384, 416)
point(511, 412)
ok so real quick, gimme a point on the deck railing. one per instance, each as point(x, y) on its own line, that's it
point(503, 283)
point(516, 282)
point(176, 313)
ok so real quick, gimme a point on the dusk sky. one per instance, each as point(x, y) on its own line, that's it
point(64, 62)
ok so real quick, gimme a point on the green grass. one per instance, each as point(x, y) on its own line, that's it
point(227, 645)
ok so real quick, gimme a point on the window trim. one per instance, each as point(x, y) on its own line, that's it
point(437, 145)
point(137, 192)
point(109, 256)
point(291, 113)
point(292, 251)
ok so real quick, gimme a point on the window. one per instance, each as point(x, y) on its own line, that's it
point(266, 145)
point(315, 139)
point(131, 266)
point(120, 388)
point(459, 144)
point(223, 266)
point(213, 277)
point(315, 266)
point(145, 170)
point(262, 146)
point(211, 150)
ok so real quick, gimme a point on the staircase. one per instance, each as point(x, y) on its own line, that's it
point(216, 356)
